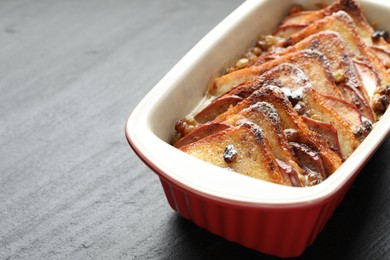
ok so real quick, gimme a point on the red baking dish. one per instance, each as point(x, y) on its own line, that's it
point(271, 218)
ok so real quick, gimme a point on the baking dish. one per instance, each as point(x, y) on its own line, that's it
point(267, 217)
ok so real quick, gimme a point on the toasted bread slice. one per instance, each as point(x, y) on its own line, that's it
point(312, 63)
point(340, 23)
point(305, 18)
point(267, 118)
point(364, 29)
point(328, 43)
point(299, 20)
point(343, 24)
point(340, 65)
point(253, 156)
point(283, 75)
point(353, 9)
point(290, 120)
point(318, 108)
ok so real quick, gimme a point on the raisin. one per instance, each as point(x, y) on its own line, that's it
point(359, 132)
point(380, 34)
point(300, 108)
point(384, 101)
point(367, 125)
point(230, 153)
point(386, 90)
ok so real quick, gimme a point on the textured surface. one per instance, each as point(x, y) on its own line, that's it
point(71, 188)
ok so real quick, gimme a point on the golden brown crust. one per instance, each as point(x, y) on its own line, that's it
point(254, 156)
point(267, 118)
point(312, 63)
point(339, 63)
point(305, 18)
point(353, 9)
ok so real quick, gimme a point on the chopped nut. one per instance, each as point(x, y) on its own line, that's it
point(256, 51)
point(379, 103)
point(359, 57)
point(250, 55)
point(339, 76)
point(241, 63)
point(183, 127)
point(316, 117)
point(266, 42)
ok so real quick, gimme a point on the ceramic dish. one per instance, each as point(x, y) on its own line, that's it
point(267, 217)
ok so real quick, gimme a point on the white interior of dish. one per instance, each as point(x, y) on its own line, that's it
point(150, 126)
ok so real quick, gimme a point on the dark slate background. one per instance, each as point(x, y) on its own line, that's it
point(71, 188)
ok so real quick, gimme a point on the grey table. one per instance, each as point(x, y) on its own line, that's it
point(71, 188)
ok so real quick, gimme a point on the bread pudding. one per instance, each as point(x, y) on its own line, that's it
point(298, 104)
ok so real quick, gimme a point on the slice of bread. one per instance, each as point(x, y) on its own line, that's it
point(253, 155)
point(265, 116)
point(305, 18)
point(312, 63)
